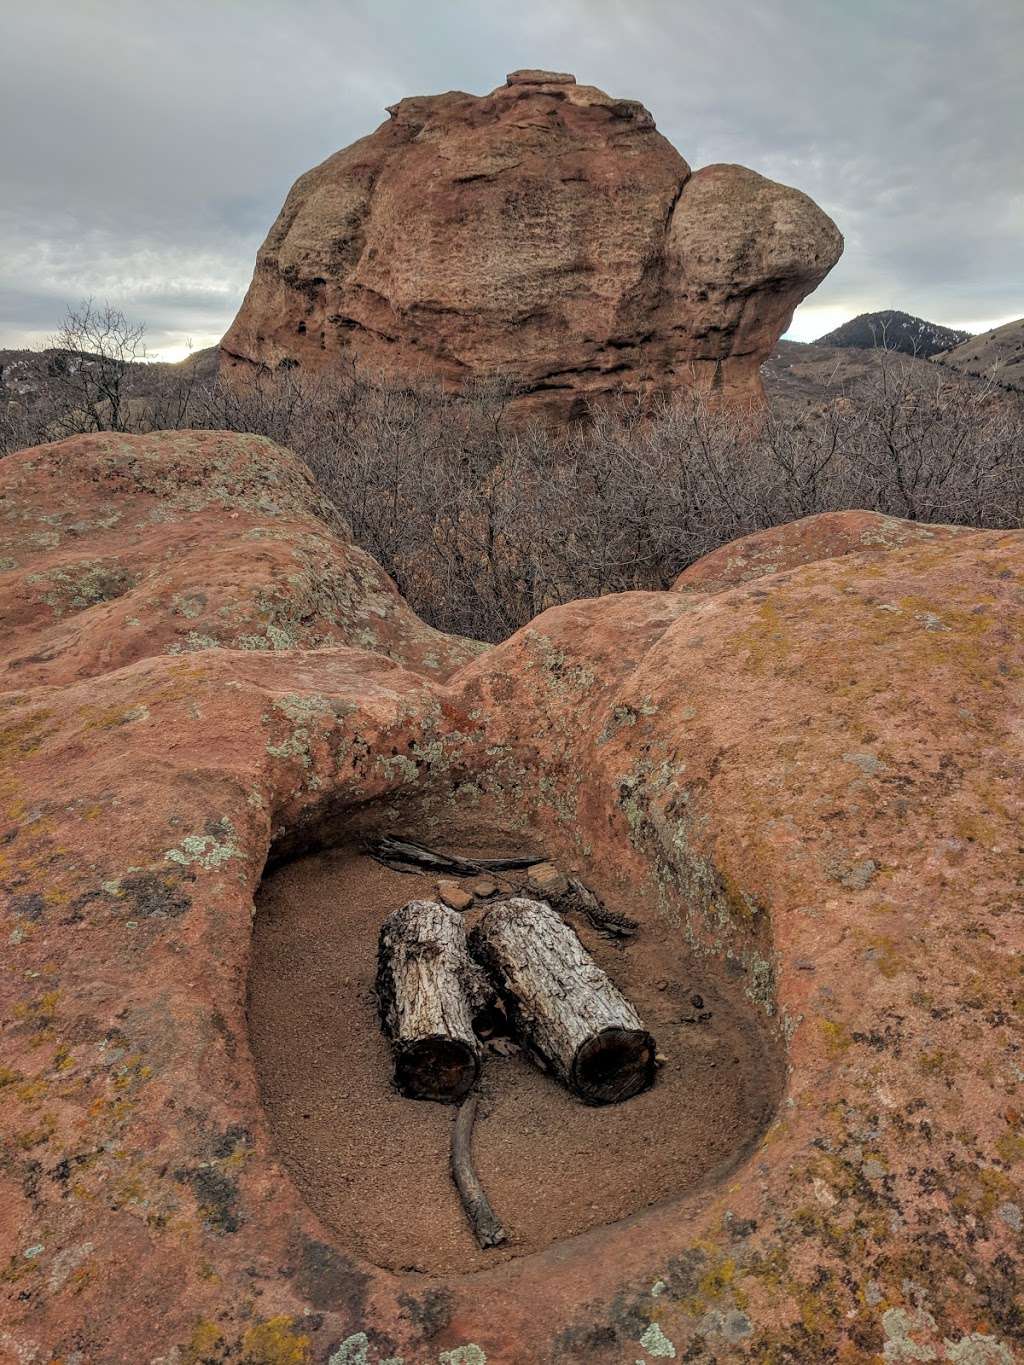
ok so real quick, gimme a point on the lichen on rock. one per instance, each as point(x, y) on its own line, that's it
point(818, 795)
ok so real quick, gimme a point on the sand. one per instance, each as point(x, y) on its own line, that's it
point(374, 1166)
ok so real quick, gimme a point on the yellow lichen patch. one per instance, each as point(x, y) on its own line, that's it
point(819, 1312)
point(205, 1341)
point(935, 1063)
point(766, 641)
point(39, 1011)
point(275, 1342)
point(837, 1038)
point(37, 1136)
point(16, 1269)
point(1011, 1147)
point(974, 826)
point(23, 737)
point(717, 1285)
point(133, 1071)
point(31, 1091)
point(981, 1192)
point(718, 1279)
point(885, 955)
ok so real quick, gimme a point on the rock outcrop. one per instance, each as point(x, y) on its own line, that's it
point(807, 541)
point(812, 777)
point(545, 232)
point(116, 548)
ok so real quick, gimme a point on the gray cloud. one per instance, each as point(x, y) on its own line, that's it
point(148, 146)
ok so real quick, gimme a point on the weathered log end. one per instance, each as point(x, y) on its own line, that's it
point(428, 990)
point(563, 1007)
point(436, 1068)
point(613, 1066)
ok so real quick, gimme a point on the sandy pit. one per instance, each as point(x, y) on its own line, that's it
point(374, 1166)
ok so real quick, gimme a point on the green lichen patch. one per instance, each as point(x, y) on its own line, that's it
point(209, 850)
point(76, 587)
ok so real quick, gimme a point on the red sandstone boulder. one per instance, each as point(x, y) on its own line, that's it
point(546, 232)
point(817, 790)
point(825, 536)
point(116, 547)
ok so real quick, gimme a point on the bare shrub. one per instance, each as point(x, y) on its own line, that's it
point(483, 522)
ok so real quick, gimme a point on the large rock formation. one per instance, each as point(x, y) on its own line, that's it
point(545, 232)
point(812, 777)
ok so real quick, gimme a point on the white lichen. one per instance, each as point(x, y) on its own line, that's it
point(656, 1343)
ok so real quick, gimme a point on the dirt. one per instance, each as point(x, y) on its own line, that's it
point(374, 1166)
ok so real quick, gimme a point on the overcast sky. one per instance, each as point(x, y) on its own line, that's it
point(147, 145)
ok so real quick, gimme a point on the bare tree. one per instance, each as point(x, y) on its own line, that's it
point(94, 351)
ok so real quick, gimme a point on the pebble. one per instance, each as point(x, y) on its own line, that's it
point(456, 897)
point(547, 881)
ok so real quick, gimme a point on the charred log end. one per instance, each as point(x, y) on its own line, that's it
point(614, 1065)
point(442, 1069)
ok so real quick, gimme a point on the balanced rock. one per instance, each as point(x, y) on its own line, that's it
point(547, 233)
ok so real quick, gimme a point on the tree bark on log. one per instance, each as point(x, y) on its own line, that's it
point(428, 992)
point(562, 1005)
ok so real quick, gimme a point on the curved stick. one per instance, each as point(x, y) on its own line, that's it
point(486, 1228)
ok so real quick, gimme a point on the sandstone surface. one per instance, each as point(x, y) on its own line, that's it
point(811, 539)
point(811, 777)
point(114, 548)
point(546, 232)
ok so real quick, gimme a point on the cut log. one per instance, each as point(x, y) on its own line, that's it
point(562, 1005)
point(429, 991)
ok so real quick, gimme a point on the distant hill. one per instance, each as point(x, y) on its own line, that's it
point(811, 374)
point(996, 355)
point(896, 332)
point(25, 376)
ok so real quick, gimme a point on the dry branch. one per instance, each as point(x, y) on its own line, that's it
point(486, 1228)
point(403, 854)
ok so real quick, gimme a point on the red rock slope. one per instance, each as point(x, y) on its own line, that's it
point(545, 231)
point(812, 777)
point(115, 548)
